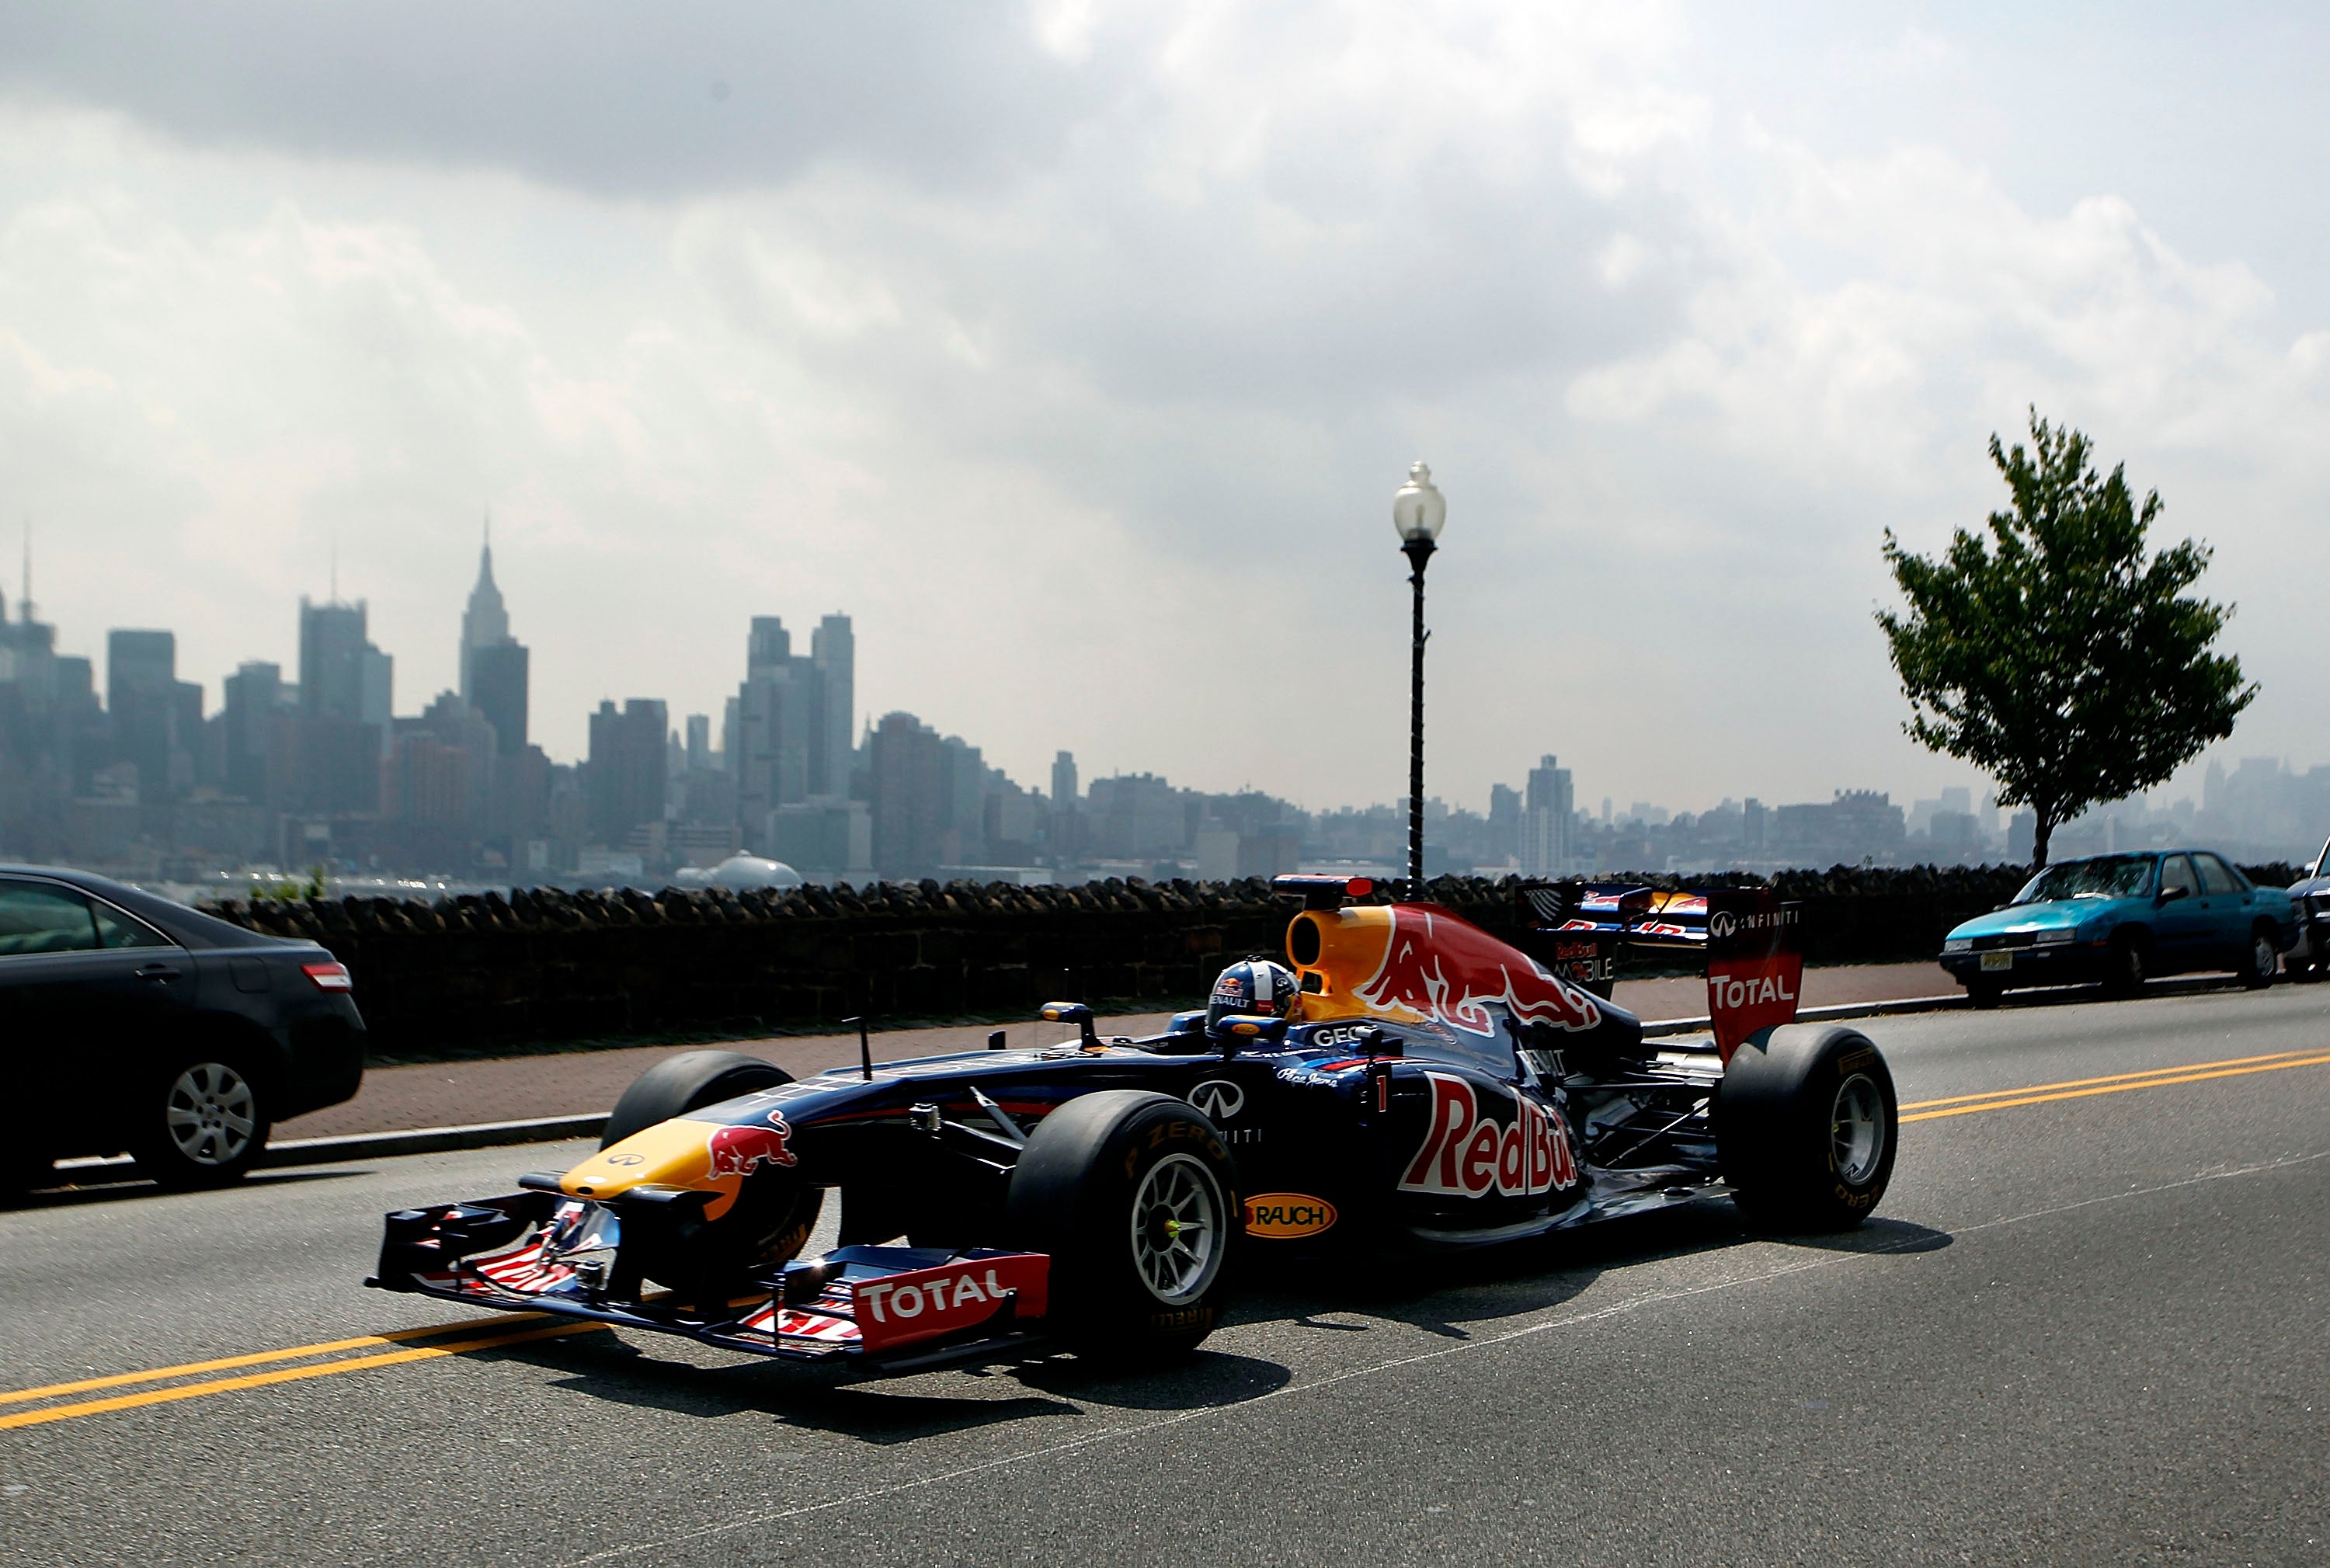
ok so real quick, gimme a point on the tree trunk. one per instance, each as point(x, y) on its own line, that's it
point(2042, 828)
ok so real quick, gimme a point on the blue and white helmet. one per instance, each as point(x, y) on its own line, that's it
point(1252, 986)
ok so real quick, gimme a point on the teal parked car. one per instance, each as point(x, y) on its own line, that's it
point(2117, 920)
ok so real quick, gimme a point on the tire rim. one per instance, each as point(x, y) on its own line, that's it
point(1177, 1229)
point(211, 1114)
point(1857, 1131)
point(2264, 954)
point(2132, 965)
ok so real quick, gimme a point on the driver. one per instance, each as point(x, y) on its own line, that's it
point(1255, 988)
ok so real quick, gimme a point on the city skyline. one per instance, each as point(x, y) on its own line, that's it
point(492, 632)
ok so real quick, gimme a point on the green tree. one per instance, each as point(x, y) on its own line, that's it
point(2052, 654)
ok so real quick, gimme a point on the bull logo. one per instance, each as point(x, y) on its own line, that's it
point(1218, 1098)
point(1450, 971)
point(738, 1151)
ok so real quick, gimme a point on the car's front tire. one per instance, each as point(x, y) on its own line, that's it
point(1806, 1128)
point(200, 1121)
point(2128, 963)
point(1133, 1198)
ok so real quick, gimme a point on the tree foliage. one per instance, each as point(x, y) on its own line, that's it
point(2051, 653)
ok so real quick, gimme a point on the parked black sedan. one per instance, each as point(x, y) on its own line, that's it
point(131, 1023)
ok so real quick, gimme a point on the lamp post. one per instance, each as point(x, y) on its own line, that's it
point(1418, 511)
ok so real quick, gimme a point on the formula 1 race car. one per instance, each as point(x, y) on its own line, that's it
point(1414, 1083)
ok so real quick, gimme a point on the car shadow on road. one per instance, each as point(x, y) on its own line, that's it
point(1874, 1236)
point(1451, 1297)
point(127, 1187)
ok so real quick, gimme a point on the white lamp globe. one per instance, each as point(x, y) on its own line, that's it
point(1417, 508)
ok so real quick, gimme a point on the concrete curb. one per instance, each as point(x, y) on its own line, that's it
point(553, 1129)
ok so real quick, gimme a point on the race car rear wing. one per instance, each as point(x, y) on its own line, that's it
point(1751, 942)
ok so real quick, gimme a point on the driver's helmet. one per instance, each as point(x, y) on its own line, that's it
point(1254, 987)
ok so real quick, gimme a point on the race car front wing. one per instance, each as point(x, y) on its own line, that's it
point(892, 1307)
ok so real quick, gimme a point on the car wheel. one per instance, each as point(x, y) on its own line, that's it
point(2264, 959)
point(2126, 966)
point(1133, 1198)
point(1806, 1128)
point(775, 1214)
point(687, 1081)
point(202, 1122)
point(1984, 993)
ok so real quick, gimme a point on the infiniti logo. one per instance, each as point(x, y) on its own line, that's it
point(1218, 1098)
point(1719, 924)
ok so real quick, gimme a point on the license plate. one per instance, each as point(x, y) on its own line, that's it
point(1991, 961)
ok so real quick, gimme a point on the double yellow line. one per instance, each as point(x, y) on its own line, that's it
point(2114, 1083)
point(333, 1362)
point(54, 1401)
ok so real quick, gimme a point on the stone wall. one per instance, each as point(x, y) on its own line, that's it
point(542, 964)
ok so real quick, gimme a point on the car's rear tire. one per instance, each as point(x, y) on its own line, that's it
point(2128, 963)
point(1807, 1128)
point(200, 1120)
point(2263, 958)
point(1133, 1198)
point(687, 1081)
point(1984, 993)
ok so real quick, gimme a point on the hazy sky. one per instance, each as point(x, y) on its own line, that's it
point(1076, 351)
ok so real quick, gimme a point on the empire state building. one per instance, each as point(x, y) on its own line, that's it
point(493, 663)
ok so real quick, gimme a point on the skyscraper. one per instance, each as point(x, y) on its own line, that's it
point(486, 622)
point(495, 665)
point(1548, 819)
point(791, 738)
point(624, 782)
point(346, 685)
point(156, 717)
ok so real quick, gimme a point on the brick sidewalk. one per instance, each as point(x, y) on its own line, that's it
point(509, 1089)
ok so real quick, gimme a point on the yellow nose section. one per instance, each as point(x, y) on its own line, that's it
point(671, 1154)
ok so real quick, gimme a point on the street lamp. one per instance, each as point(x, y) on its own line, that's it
point(1418, 511)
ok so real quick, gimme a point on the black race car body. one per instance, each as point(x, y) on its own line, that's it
point(1440, 1089)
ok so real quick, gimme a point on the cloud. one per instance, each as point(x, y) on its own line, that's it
point(1075, 352)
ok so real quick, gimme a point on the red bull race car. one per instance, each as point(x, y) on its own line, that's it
point(1407, 1082)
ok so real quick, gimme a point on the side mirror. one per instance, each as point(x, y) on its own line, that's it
point(1077, 1013)
point(2171, 895)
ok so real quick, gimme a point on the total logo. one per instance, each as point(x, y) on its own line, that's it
point(1466, 1155)
point(1728, 991)
point(922, 1303)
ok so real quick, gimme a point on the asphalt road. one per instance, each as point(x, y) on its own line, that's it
point(2087, 1326)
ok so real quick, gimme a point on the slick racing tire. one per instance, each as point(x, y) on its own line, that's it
point(1133, 1198)
point(199, 1121)
point(687, 1081)
point(2261, 961)
point(1806, 1128)
point(776, 1213)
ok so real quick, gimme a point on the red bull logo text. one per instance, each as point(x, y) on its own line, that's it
point(1466, 1155)
point(738, 1151)
point(1449, 970)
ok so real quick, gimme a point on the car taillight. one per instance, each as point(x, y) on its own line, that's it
point(329, 976)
